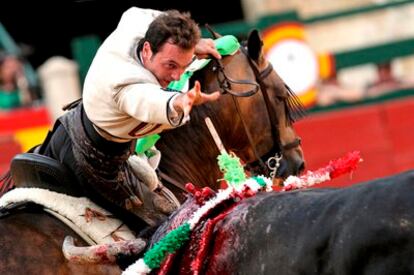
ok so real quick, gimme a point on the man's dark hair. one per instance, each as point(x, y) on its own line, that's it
point(174, 27)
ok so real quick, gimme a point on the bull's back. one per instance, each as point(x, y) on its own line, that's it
point(364, 229)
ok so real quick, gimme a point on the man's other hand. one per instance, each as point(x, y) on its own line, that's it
point(206, 48)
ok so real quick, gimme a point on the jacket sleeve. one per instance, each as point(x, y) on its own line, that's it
point(146, 102)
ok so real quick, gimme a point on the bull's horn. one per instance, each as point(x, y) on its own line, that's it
point(101, 253)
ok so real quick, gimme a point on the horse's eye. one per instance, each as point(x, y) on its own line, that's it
point(280, 98)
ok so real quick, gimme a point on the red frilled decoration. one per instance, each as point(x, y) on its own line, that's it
point(335, 168)
point(346, 164)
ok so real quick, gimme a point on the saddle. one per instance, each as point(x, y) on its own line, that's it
point(35, 170)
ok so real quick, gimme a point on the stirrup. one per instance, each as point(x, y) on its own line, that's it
point(166, 193)
point(166, 201)
point(34, 170)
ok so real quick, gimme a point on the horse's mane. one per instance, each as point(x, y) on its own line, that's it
point(293, 106)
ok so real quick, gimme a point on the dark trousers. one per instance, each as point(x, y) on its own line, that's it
point(59, 147)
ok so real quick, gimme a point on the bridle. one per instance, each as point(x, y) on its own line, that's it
point(225, 82)
point(275, 154)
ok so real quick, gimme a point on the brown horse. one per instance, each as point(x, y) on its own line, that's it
point(253, 118)
point(31, 243)
point(254, 121)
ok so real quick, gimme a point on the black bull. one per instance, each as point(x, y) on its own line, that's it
point(364, 229)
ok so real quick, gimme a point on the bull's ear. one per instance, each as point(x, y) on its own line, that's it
point(254, 45)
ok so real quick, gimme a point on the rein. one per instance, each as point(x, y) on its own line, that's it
point(273, 162)
point(274, 156)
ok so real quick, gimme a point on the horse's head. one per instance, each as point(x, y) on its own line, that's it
point(259, 107)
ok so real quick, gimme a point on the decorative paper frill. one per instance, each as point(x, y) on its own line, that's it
point(335, 168)
point(240, 187)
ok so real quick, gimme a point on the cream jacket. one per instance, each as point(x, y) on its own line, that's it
point(122, 98)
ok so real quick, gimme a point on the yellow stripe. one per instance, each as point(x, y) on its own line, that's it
point(326, 68)
point(31, 137)
point(308, 98)
point(273, 36)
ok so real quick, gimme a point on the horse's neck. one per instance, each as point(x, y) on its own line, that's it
point(189, 154)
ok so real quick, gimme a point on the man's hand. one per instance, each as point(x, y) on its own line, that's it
point(205, 48)
point(185, 102)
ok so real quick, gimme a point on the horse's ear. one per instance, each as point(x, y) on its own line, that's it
point(254, 45)
point(212, 32)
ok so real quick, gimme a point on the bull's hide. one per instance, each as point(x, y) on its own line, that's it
point(365, 229)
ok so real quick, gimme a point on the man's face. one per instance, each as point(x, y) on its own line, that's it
point(168, 63)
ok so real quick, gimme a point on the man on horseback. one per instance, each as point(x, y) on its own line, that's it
point(125, 97)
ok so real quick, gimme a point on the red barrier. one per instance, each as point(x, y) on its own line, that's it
point(384, 134)
point(21, 119)
point(9, 148)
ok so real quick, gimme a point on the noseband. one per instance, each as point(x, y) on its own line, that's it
point(274, 156)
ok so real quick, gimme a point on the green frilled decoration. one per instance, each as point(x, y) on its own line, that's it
point(169, 244)
point(232, 169)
